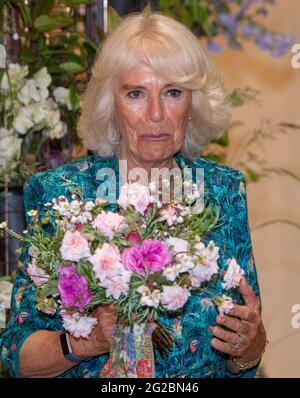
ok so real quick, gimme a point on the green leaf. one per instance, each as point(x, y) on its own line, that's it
point(74, 93)
point(46, 23)
point(49, 289)
point(236, 99)
point(70, 67)
point(42, 7)
point(113, 19)
point(215, 158)
point(252, 175)
point(223, 141)
point(27, 55)
point(74, 3)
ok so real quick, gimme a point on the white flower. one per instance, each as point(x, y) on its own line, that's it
point(178, 247)
point(16, 74)
point(33, 252)
point(29, 92)
point(10, 146)
point(89, 205)
point(152, 299)
point(224, 304)
point(174, 297)
point(78, 325)
point(170, 273)
point(233, 275)
point(22, 123)
point(168, 214)
point(42, 78)
point(3, 225)
point(58, 131)
point(62, 96)
point(149, 299)
point(206, 263)
point(143, 290)
point(32, 213)
point(185, 264)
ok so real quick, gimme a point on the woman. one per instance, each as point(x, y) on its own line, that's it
point(154, 101)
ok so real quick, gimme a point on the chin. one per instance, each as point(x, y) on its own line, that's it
point(155, 155)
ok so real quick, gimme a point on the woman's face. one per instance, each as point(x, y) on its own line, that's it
point(151, 114)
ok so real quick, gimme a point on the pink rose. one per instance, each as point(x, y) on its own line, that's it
point(74, 246)
point(174, 297)
point(152, 256)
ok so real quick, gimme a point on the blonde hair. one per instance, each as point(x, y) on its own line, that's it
point(176, 55)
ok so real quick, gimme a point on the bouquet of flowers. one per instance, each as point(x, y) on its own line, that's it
point(146, 259)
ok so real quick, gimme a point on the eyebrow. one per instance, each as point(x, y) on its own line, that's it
point(132, 86)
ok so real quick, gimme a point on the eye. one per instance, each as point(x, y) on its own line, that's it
point(175, 93)
point(134, 94)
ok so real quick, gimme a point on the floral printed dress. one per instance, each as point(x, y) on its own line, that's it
point(192, 356)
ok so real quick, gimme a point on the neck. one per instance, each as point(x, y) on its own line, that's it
point(133, 162)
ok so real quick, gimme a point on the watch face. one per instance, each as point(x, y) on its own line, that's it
point(64, 344)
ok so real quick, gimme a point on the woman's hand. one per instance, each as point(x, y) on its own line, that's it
point(241, 334)
point(100, 339)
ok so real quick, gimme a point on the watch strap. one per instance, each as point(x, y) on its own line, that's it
point(67, 349)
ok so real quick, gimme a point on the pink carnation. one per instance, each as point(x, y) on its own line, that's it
point(110, 223)
point(74, 246)
point(174, 297)
point(135, 194)
point(73, 288)
point(106, 261)
point(152, 256)
point(117, 285)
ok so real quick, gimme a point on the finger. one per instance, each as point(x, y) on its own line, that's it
point(248, 294)
point(246, 313)
point(224, 335)
point(224, 347)
point(233, 324)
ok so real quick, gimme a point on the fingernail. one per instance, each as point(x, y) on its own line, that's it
point(219, 319)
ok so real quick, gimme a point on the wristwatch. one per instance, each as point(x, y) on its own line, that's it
point(67, 349)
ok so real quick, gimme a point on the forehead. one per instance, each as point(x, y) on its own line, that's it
point(141, 74)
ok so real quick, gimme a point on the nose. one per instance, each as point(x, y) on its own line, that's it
point(155, 109)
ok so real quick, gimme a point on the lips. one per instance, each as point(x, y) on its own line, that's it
point(155, 136)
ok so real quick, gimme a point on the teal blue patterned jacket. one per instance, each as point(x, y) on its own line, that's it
point(193, 356)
